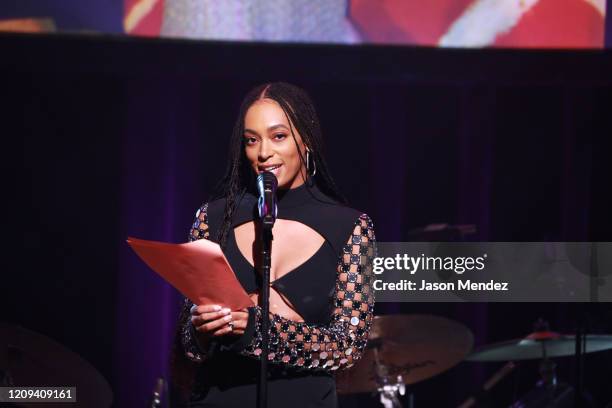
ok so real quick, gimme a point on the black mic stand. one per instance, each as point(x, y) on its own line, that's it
point(264, 302)
point(267, 185)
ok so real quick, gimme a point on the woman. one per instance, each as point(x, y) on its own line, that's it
point(321, 301)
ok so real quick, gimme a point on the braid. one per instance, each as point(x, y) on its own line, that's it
point(239, 177)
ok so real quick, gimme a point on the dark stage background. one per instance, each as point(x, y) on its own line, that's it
point(106, 137)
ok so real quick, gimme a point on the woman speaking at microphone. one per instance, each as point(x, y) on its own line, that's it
point(321, 299)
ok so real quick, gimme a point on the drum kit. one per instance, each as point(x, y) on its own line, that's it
point(406, 349)
point(402, 350)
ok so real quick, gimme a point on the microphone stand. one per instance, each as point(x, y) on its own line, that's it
point(267, 184)
point(264, 301)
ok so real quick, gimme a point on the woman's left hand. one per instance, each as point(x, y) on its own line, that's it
point(239, 320)
point(212, 320)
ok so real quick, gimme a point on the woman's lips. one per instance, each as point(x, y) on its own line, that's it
point(272, 169)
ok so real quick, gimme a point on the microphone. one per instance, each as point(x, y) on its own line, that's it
point(266, 185)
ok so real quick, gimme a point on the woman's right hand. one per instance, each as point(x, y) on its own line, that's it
point(210, 321)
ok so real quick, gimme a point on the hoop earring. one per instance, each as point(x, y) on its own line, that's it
point(314, 164)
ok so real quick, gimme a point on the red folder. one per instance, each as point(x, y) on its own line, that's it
point(197, 269)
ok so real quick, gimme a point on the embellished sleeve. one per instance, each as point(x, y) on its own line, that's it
point(340, 343)
point(199, 230)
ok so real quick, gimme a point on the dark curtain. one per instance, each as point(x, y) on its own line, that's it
point(107, 137)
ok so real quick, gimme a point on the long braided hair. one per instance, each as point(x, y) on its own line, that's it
point(239, 177)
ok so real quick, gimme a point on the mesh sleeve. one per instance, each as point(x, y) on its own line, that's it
point(340, 343)
point(199, 230)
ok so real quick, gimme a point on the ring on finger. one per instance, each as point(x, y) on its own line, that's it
point(231, 325)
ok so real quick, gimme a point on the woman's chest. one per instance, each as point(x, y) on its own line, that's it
point(303, 267)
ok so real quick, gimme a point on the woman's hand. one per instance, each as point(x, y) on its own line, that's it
point(213, 321)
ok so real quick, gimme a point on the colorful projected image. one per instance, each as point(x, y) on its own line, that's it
point(446, 23)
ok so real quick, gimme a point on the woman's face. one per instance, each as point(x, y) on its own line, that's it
point(269, 145)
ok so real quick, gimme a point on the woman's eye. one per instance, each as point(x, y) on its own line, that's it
point(250, 140)
point(280, 136)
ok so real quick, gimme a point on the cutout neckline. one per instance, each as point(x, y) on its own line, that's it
point(244, 259)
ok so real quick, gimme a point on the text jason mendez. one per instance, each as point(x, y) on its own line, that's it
point(406, 284)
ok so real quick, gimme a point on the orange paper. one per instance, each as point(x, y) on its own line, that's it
point(197, 269)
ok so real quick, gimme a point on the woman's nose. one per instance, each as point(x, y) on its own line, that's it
point(265, 151)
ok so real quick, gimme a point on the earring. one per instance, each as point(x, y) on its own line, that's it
point(314, 164)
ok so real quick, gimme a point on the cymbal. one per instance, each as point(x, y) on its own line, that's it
point(416, 347)
point(539, 345)
point(31, 359)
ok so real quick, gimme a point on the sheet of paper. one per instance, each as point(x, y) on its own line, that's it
point(197, 269)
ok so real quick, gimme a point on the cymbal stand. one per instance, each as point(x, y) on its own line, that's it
point(547, 390)
point(548, 371)
point(388, 387)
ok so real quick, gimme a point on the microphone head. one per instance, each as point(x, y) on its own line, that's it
point(267, 185)
point(267, 179)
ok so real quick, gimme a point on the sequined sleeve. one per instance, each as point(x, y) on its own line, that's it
point(199, 230)
point(340, 343)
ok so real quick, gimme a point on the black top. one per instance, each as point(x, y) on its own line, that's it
point(313, 279)
point(331, 291)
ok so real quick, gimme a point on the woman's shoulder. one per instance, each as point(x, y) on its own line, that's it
point(354, 219)
point(337, 222)
point(336, 213)
point(214, 212)
point(215, 207)
point(210, 209)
